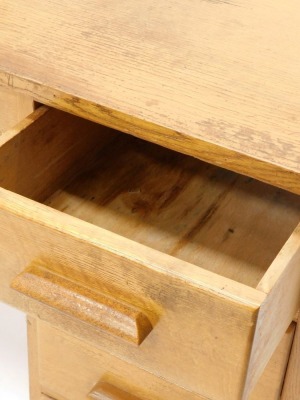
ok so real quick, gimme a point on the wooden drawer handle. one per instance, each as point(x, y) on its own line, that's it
point(94, 308)
point(105, 391)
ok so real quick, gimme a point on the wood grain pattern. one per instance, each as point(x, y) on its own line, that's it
point(33, 359)
point(282, 283)
point(213, 218)
point(291, 389)
point(69, 367)
point(46, 149)
point(218, 79)
point(270, 384)
point(14, 107)
point(105, 391)
point(289, 254)
point(168, 289)
point(89, 306)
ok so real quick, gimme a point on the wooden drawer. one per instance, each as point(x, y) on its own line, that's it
point(69, 369)
point(186, 270)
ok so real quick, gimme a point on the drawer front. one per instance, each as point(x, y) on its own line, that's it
point(203, 327)
point(138, 303)
point(71, 369)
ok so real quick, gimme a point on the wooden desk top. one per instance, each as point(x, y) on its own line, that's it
point(219, 80)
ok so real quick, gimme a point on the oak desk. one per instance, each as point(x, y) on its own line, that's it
point(163, 264)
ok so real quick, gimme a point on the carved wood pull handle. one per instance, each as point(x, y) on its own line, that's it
point(99, 310)
point(105, 391)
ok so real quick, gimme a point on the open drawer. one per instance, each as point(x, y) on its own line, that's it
point(187, 270)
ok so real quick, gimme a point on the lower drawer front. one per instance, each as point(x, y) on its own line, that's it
point(71, 369)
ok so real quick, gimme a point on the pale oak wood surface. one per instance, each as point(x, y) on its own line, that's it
point(148, 279)
point(270, 384)
point(213, 218)
point(47, 146)
point(23, 152)
point(69, 368)
point(40, 231)
point(33, 359)
point(105, 391)
point(282, 283)
point(215, 79)
point(92, 307)
point(13, 108)
point(291, 389)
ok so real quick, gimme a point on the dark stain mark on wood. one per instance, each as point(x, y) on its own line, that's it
point(228, 234)
point(203, 219)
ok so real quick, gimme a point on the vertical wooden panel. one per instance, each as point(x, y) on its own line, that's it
point(270, 384)
point(282, 285)
point(291, 389)
point(32, 337)
point(13, 108)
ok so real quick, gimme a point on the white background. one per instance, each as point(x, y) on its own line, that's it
point(14, 383)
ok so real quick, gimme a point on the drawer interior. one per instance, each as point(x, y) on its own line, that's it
point(216, 219)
